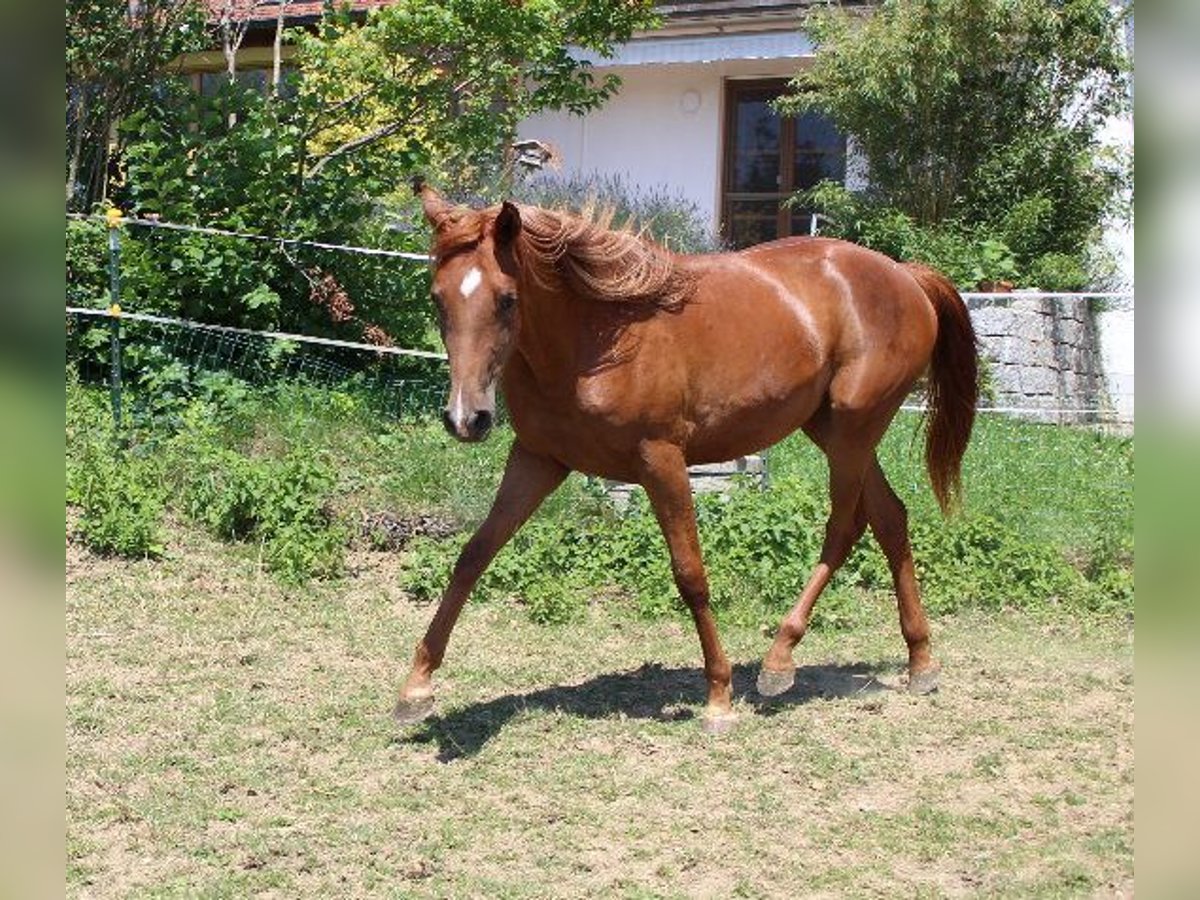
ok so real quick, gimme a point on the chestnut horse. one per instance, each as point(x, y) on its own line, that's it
point(623, 360)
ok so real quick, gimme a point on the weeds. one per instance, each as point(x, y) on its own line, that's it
point(120, 501)
point(288, 469)
point(116, 489)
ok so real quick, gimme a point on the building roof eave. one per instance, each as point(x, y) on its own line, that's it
point(656, 49)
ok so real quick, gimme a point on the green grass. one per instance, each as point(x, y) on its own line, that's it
point(228, 735)
point(1047, 519)
point(1065, 486)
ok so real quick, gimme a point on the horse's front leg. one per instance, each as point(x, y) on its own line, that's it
point(528, 480)
point(665, 477)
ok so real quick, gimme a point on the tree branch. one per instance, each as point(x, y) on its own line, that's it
point(356, 144)
point(336, 107)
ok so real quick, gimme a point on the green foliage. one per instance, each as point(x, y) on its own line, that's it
point(280, 504)
point(981, 563)
point(978, 121)
point(1048, 517)
point(115, 60)
point(967, 254)
point(119, 495)
point(186, 163)
point(418, 86)
point(87, 263)
point(759, 548)
point(444, 84)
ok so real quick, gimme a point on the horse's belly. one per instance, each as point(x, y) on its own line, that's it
point(740, 429)
point(755, 394)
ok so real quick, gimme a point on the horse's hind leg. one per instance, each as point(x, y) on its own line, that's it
point(848, 460)
point(889, 523)
point(528, 480)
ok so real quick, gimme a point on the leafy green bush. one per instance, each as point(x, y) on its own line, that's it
point(968, 255)
point(283, 504)
point(87, 263)
point(1048, 520)
point(759, 548)
point(979, 122)
point(186, 161)
point(120, 498)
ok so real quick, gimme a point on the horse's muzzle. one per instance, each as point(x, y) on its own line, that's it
point(473, 429)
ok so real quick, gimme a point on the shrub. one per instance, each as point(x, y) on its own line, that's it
point(670, 219)
point(982, 120)
point(120, 499)
point(759, 548)
point(283, 504)
point(1048, 516)
point(967, 255)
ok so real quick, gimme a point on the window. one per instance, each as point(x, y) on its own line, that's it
point(209, 84)
point(767, 158)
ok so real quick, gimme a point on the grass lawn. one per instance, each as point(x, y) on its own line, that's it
point(228, 736)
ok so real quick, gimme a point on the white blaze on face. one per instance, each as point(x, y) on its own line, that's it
point(457, 412)
point(470, 282)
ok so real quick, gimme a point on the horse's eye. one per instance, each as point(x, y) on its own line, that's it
point(506, 302)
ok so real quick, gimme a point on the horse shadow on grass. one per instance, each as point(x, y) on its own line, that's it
point(651, 692)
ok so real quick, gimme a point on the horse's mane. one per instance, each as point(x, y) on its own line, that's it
point(587, 256)
point(581, 253)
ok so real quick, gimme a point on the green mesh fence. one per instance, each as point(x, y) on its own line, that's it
point(166, 361)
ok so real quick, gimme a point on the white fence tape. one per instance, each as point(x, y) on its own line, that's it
point(274, 335)
point(1126, 297)
point(222, 232)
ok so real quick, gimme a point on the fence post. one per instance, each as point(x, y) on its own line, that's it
point(113, 217)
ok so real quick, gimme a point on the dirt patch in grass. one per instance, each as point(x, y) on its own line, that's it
point(229, 737)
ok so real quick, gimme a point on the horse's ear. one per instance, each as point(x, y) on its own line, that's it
point(508, 224)
point(432, 203)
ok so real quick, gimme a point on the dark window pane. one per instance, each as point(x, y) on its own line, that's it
point(753, 222)
point(820, 152)
point(769, 157)
point(756, 146)
point(256, 79)
point(289, 81)
point(211, 82)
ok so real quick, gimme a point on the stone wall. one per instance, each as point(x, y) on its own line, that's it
point(1044, 358)
point(705, 478)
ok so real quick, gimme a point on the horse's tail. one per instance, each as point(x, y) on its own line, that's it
point(953, 386)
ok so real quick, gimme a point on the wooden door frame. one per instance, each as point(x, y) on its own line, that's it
point(787, 148)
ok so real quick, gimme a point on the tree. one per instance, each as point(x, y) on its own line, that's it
point(420, 86)
point(444, 84)
point(116, 52)
point(983, 115)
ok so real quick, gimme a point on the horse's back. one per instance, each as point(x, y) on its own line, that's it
point(779, 329)
point(881, 326)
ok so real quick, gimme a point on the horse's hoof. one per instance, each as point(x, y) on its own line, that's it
point(925, 682)
point(772, 683)
point(718, 722)
point(411, 710)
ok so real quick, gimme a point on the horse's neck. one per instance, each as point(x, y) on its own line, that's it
point(548, 340)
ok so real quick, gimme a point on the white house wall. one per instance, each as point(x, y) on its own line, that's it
point(662, 130)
